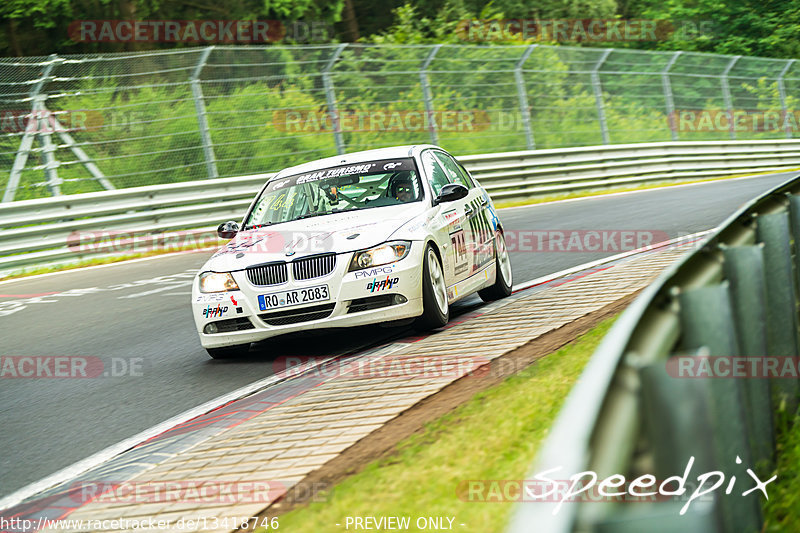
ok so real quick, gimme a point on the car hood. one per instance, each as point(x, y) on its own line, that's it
point(338, 233)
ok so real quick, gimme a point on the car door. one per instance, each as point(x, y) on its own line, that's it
point(457, 256)
point(481, 243)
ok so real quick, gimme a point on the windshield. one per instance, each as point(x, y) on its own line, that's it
point(336, 189)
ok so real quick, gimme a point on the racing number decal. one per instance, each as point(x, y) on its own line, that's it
point(458, 238)
point(482, 235)
point(460, 257)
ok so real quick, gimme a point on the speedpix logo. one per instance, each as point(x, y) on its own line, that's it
point(387, 283)
point(213, 312)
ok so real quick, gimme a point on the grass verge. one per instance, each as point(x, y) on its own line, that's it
point(781, 510)
point(495, 435)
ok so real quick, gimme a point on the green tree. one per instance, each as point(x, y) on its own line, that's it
point(41, 27)
point(742, 27)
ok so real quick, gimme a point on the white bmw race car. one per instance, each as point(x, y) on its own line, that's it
point(388, 235)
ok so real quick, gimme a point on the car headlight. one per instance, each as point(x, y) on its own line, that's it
point(217, 282)
point(380, 255)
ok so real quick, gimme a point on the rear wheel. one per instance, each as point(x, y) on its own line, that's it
point(436, 310)
point(229, 352)
point(503, 277)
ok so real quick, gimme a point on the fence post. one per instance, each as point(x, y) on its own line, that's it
point(50, 163)
point(200, 109)
point(668, 100)
point(524, 109)
point(598, 94)
point(330, 98)
point(31, 126)
point(726, 95)
point(426, 93)
point(782, 92)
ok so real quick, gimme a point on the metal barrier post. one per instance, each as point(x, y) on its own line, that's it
point(31, 126)
point(744, 269)
point(773, 231)
point(426, 94)
point(707, 322)
point(524, 108)
point(782, 93)
point(668, 100)
point(330, 98)
point(726, 95)
point(202, 120)
point(597, 87)
point(682, 407)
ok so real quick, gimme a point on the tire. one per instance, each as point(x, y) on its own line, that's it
point(436, 309)
point(229, 352)
point(504, 278)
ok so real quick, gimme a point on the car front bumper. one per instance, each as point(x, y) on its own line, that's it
point(369, 296)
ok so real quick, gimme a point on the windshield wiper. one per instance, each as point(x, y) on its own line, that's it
point(317, 214)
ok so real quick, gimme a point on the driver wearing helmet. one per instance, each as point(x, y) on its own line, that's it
point(402, 188)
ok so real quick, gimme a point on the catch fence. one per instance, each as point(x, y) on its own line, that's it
point(85, 123)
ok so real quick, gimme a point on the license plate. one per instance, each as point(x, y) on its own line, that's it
point(277, 300)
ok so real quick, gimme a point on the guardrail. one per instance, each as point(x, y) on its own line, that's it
point(40, 232)
point(636, 410)
point(512, 175)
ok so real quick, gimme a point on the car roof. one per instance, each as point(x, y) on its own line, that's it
point(356, 157)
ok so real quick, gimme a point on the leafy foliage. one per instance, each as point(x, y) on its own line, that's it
point(746, 27)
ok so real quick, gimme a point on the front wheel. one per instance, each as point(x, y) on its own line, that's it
point(436, 310)
point(229, 352)
point(503, 276)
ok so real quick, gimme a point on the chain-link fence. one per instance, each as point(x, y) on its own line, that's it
point(84, 123)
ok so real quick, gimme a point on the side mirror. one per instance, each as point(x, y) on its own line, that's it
point(228, 230)
point(450, 193)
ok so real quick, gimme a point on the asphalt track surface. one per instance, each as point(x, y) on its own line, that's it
point(135, 317)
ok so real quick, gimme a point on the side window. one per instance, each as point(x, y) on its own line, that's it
point(436, 174)
point(454, 170)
